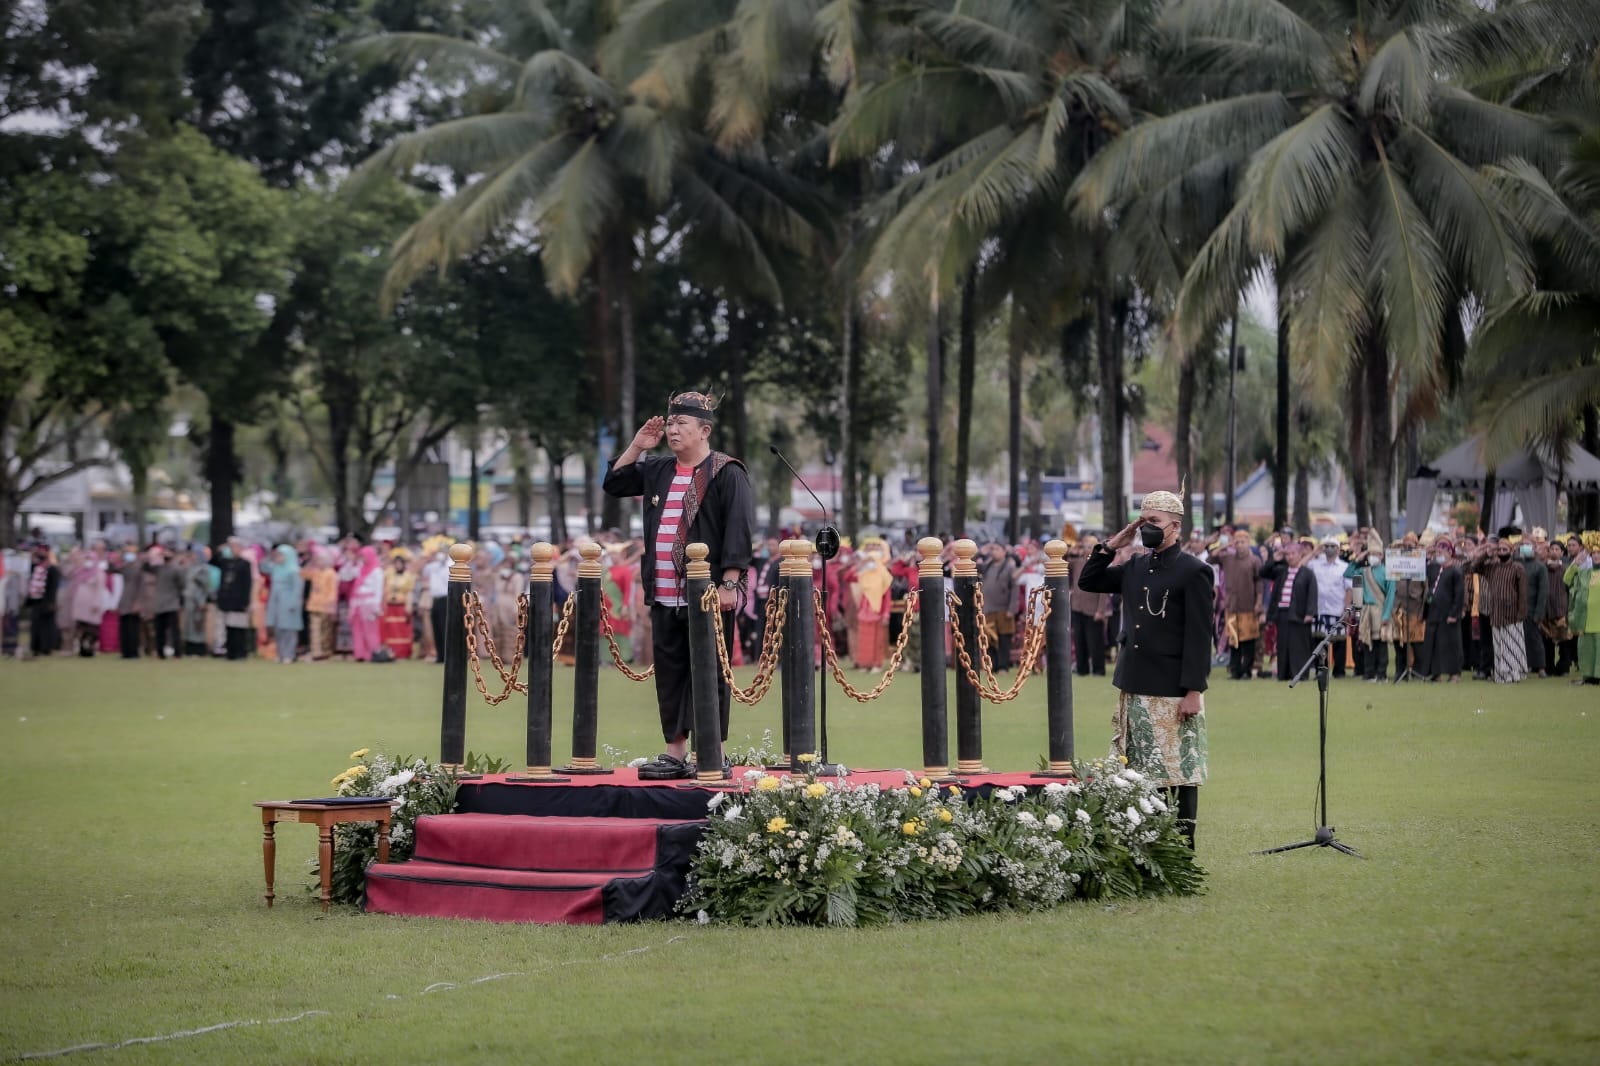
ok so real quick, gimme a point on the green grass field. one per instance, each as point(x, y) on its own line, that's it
point(130, 881)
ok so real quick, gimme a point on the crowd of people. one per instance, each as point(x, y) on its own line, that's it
point(1499, 607)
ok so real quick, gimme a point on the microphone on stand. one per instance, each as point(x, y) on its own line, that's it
point(827, 547)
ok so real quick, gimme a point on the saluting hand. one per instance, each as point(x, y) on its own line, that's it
point(650, 434)
point(1124, 538)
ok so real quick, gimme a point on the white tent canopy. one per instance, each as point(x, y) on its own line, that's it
point(1531, 478)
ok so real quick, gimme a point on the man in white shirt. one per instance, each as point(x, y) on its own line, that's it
point(436, 575)
point(1332, 594)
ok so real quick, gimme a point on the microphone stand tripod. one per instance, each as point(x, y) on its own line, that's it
point(1323, 835)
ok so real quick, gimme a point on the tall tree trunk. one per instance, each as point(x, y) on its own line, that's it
point(966, 379)
point(9, 514)
point(1230, 476)
point(1182, 445)
point(878, 514)
point(1014, 352)
point(522, 485)
point(221, 470)
point(555, 492)
point(1380, 422)
point(1302, 497)
point(935, 385)
point(140, 475)
point(473, 525)
point(1591, 444)
point(850, 386)
point(1280, 464)
point(1486, 505)
point(1208, 505)
point(615, 512)
point(1036, 493)
point(1358, 489)
point(741, 330)
point(1113, 405)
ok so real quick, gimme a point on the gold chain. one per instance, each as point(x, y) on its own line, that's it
point(616, 652)
point(771, 641)
point(476, 623)
point(1040, 599)
point(566, 621)
point(832, 654)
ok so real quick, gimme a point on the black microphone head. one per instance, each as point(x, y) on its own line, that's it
point(773, 448)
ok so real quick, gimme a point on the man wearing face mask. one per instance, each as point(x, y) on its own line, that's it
point(1292, 606)
point(1507, 594)
point(694, 495)
point(1538, 600)
point(1332, 588)
point(1447, 599)
point(1166, 643)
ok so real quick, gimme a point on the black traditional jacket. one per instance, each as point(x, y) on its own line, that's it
point(718, 511)
point(1168, 599)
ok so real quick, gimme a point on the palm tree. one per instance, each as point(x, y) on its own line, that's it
point(1363, 187)
point(563, 147)
point(1004, 105)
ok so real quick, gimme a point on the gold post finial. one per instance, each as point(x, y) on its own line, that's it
point(698, 567)
point(543, 554)
point(964, 566)
point(930, 548)
point(590, 567)
point(461, 554)
point(1055, 564)
point(796, 558)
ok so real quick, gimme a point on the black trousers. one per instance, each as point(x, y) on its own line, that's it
point(1535, 643)
point(128, 635)
point(1567, 657)
point(1088, 644)
point(167, 635)
point(238, 642)
point(1441, 649)
point(1485, 646)
point(1242, 659)
point(1294, 647)
point(44, 638)
point(1408, 655)
point(1338, 648)
point(1374, 660)
point(436, 611)
point(1469, 647)
point(669, 637)
point(1186, 800)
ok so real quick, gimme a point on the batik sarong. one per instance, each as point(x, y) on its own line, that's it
point(1158, 743)
point(1510, 654)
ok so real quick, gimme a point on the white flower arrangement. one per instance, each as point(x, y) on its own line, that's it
point(796, 850)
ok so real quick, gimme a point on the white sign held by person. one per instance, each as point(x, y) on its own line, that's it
point(1408, 564)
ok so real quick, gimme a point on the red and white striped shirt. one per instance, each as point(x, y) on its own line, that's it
point(1288, 586)
point(668, 592)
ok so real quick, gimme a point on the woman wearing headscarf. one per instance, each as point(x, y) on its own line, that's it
point(1373, 591)
point(870, 592)
point(366, 606)
point(44, 584)
point(86, 600)
point(399, 589)
point(1582, 579)
point(283, 619)
point(110, 596)
point(233, 598)
point(196, 601)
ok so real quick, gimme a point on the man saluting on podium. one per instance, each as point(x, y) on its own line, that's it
point(1164, 654)
point(693, 495)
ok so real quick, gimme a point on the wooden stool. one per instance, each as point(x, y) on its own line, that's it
point(324, 816)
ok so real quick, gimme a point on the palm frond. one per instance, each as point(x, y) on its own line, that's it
point(1539, 408)
point(435, 51)
point(1541, 333)
point(1411, 273)
point(1512, 31)
point(1481, 132)
point(553, 74)
point(1547, 216)
point(670, 78)
point(1470, 218)
point(1293, 177)
point(646, 144)
point(1202, 67)
point(996, 190)
point(1212, 284)
point(648, 28)
point(1398, 80)
point(458, 225)
point(707, 210)
point(1268, 22)
point(1328, 283)
point(841, 26)
point(532, 24)
point(947, 96)
point(1160, 149)
point(783, 210)
point(963, 34)
point(575, 206)
point(468, 145)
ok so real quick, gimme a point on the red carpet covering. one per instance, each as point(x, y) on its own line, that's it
point(602, 848)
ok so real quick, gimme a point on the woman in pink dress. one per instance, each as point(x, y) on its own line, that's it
point(366, 607)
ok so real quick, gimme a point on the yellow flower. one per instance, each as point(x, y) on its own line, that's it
point(925, 783)
point(916, 792)
point(954, 791)
point(778, 824)
point(360, 753)
point(1123, 759)
point(766, 784)
point(806, 757)
point(944, 816)
point(336, 782)
point(910, 829)
point(816, 790)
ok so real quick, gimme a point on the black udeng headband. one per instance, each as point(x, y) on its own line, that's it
point(702, 413)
